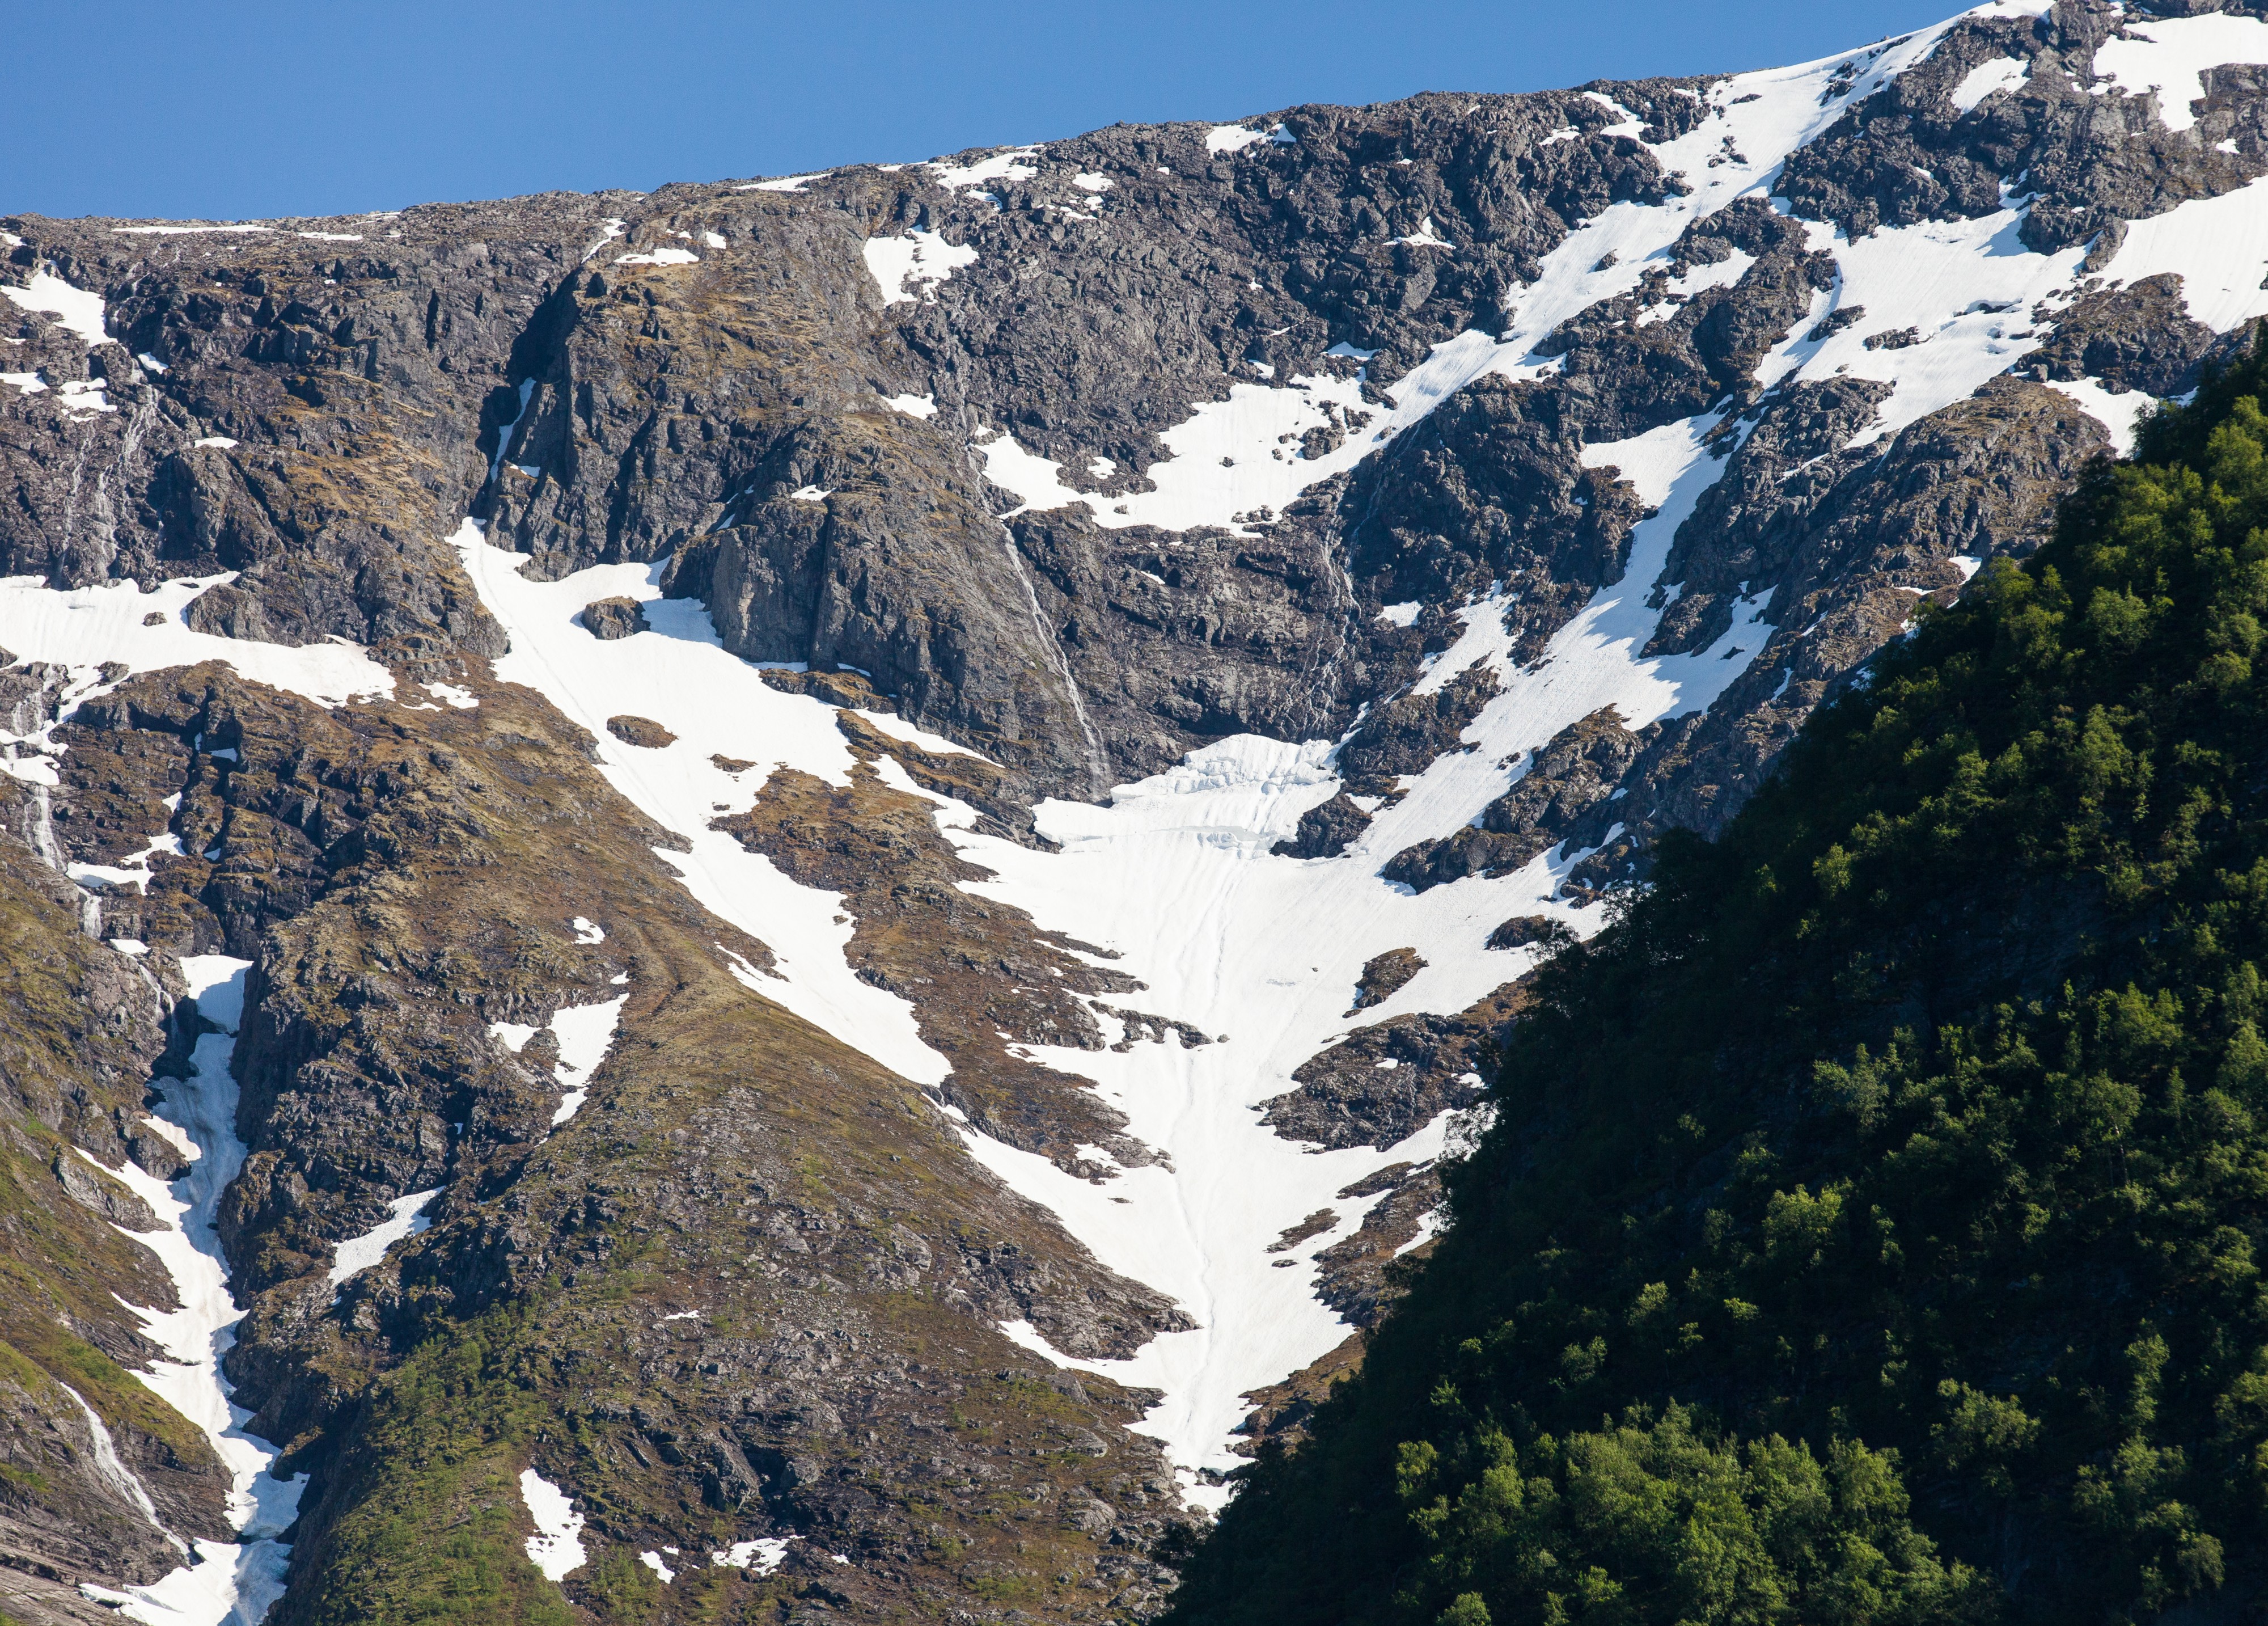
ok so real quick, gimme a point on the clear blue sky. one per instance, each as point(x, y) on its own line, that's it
point(233, 109)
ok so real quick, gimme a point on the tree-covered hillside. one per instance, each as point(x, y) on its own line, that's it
point(1869, 1228)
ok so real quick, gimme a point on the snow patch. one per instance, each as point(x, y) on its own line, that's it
point(586, 1034)
point(504, 431)
point(717, 704)
point(1965, 286)
point(610, 229)
point(915, 406)
point(556, 1547)
point(67, 307)
point(405, 1217)
point(763, 1555)
point(1236, 137)
point(1011, 164)
point(86, 627)
point(1226, 462)
point(2217, 244)
point(906, 268)
point(2120, 415)
point(786, 183)
point(1987, 78)
point(83, 396)
point(132, 870)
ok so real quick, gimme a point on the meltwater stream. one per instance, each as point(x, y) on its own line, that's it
point(229, 1583)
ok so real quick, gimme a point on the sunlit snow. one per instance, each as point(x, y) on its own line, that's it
point(86, 627)
point(1006, 164)
point(905, 268)
point(1999, 73)
point(763, 1555)
point(2169, 54)
point(556, 1547)
point(75, 309)
point(717, 706)
point(405, 1218)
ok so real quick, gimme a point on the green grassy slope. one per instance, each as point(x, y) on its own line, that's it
point(1869, 1230)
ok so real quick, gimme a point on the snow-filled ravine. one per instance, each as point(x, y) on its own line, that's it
point(1173, 874)
point(232, 1581)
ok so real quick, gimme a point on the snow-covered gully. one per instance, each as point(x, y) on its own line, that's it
point(228, 1582)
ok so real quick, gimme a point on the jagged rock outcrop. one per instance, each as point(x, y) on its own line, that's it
point(1580, 768)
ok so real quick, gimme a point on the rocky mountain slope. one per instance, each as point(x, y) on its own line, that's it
point(757, 898)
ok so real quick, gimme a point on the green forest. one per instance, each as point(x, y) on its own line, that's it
point(1869, 1227)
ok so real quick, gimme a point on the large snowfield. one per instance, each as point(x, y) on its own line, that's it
point(1173, 874)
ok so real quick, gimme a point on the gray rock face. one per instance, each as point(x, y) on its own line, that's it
point(331, 379)
point(1491, 489)
point(1179, 638)
point(1384, 976)
point(1388, 1078)
point(1325, 830)
point(2137, 337)
point(1524, 929)
point(1410, 731)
